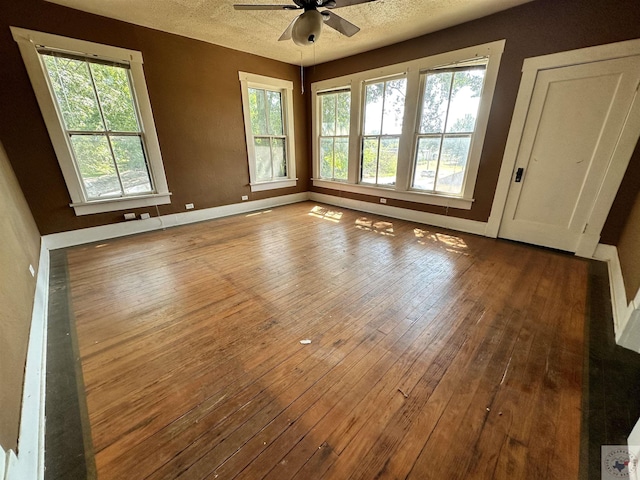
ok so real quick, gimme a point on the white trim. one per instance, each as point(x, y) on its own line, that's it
point(633, 442)
point(28, 464)
point(104, 232)
point(125, 203)
point(412, 71)
point(626, 316)
point(453, 223)
point(27, 41)
point(272, 185)
point(3, 463)
point(416, 197)
point(251, 80)
point(617, 164)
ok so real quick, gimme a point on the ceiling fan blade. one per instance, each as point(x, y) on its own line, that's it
point(340, 24)
point(344, 3)
point(266, 7)
point(286, 35)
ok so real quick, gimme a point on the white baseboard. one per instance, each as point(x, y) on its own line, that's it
point(634, 448)
point(28, 464)
point(3, 463)
point(131, 227)
point(453, 223)
point(626, 316)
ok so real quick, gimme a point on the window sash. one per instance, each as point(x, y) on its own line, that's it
point(272, 162)
point(333, 139)
point(441, 136)
point(322, 138)
point(108, 134)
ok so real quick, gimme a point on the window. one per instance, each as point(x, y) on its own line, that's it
point(335, 109)
point(268, 117)
point(449, 109)
point(416, 131)
point(95, 105)
point(383, 115)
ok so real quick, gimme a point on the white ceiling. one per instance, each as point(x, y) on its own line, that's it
point(382, 22)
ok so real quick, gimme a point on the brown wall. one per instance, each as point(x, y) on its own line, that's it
point(195, 96)
point(20, 248)
point(629, 251)
point(537, 28)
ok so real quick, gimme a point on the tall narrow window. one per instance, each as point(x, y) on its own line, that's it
point(100, 118)
point(383, 116)
point(96, 107)
point(268, 134)
point(450, 100)
point(335, 111)
point(268, 120)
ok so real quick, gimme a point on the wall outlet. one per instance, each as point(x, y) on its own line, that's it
point(245, 197)
point(129, 216)
point(144, 216)
point(189, 206)
point(383, 200)
point(32, 271)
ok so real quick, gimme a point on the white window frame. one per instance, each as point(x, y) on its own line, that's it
point(319, 95)
point(28, 42)
point(413, 70)
point(285, 87)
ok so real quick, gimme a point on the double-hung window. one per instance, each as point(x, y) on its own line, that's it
point(335, 111)
point(383, 117)
point(449, 108)
point(416, 128)
point(100, 119)
point(268, 116)
point(94, 101)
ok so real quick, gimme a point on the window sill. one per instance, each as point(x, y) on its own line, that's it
point(272, 185)
point(114, 204)
point(389, 192)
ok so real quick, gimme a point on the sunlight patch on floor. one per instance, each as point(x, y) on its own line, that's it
point(449, 242)
point(326, 214)
point(257, 213)
point(380, 227)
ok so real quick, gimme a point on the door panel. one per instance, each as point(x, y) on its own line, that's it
point(575, 117)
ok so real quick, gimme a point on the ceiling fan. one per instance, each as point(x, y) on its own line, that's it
point(305, 28)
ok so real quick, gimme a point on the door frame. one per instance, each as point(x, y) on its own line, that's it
point(617, 164)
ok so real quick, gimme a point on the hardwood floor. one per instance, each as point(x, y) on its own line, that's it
point(433, 354)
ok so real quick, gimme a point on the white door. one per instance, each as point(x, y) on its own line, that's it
point(572, 127)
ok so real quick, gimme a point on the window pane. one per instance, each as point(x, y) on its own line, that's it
point(263, 159)
point(394, 107)
point(275, 112)
point(341, 159)
point(257, 111)
point(278, 156)
point(369, 160)
point(426, 163)
point(453, 161)
point(434, 104)
point(132, 164)
point(328, 114)
point(373, 109)
point(96, 166)
point(388, 161)
point(326, 158)
point(465, 99)
point(112, 85)
point(343, 113)
point(74, 93)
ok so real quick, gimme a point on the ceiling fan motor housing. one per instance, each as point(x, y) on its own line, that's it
point(307, 28)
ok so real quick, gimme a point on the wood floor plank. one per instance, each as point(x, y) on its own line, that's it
point(427, 347)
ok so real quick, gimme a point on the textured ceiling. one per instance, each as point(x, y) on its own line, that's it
point(382, 22)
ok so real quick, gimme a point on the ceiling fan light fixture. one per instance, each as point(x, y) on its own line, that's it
point(307, 28)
